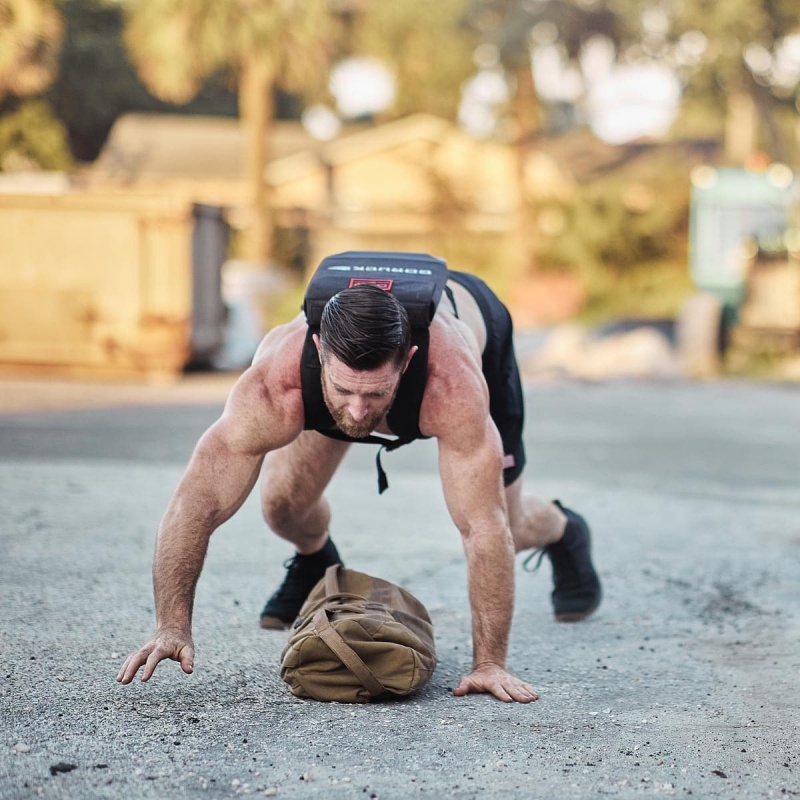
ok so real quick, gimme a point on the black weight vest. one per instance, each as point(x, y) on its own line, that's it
point(417, 281)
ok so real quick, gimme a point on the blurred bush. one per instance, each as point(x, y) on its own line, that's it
point(624, 233)
point(31, 138)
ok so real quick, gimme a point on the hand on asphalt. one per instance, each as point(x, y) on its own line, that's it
point(491, 679)
point(165, 644)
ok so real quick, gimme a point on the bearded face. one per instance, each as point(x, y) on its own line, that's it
point(358, 400)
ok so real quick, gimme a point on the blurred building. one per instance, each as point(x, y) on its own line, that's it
point(399, 185)
point(118, 269)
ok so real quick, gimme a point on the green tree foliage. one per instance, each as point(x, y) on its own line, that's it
point(737, 50)
point(512, 28)
point(429, 47)
point(96, 81)
point(31, 138)
point(625, 233)
point(30, 36)
point(176, 44)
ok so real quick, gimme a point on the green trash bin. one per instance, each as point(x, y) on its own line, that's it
point(733, 213)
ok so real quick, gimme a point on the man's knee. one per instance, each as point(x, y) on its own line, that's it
point(281, 511)
point(293, 480)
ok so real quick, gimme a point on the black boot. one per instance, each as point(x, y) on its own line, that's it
point(577, 592)
point(302, 574)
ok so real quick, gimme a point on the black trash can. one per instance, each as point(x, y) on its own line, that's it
point(210, 239)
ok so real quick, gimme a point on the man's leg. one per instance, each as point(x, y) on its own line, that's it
point(535, 523)
point(564, 537)
point(292, 482)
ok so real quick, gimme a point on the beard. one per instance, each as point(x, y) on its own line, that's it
point(346, 424)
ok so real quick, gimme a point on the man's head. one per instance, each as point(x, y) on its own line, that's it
point(364, 348)
point(365, 327)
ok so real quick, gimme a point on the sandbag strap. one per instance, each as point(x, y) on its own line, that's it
point(346, 654)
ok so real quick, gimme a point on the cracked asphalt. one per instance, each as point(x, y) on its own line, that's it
point(685, 683)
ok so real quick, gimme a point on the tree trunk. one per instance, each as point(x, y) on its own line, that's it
point(741, 124)
point(526, 113)
point(256, 113)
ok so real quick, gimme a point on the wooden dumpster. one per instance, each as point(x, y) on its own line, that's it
point(95, 283)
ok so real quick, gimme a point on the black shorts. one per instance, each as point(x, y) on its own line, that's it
point(506, 401)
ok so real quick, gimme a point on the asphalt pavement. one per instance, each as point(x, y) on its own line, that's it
point(685, 683)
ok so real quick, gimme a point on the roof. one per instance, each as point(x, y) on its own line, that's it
point(144, 147)
point(156, 146)
point(586, 157)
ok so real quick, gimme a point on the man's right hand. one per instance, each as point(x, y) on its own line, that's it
point(165, 644)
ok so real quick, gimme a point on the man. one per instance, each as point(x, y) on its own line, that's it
point(368, 373)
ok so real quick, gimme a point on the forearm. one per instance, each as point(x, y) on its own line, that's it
point(180, 552)
point(213, 488)
point(490, 565)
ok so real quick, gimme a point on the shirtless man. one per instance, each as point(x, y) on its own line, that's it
point(471, 402)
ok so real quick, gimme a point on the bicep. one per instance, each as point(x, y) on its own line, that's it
point(218, 479)
point(471, 468)
point(226, 461)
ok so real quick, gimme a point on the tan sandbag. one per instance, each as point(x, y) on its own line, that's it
point(359, 638)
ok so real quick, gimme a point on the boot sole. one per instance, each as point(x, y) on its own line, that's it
point(273, 624)
point(576, 616)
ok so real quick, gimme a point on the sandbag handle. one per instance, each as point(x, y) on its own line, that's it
point(332, 579)
point(346, 654)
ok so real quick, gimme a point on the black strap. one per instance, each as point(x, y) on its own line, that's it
point(452, 298)
point(388, 446)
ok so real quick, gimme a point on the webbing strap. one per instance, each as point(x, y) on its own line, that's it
point(346, 654)
point(337, 644)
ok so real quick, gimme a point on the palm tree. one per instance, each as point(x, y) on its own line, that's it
point(30, 39)
point(176, 44)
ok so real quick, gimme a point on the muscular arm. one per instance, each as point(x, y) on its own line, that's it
point(471, 464)
point(218, 479)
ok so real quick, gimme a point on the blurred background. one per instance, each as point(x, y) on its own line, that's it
point(621, 172)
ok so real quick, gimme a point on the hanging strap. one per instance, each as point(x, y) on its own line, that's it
point(383, 481)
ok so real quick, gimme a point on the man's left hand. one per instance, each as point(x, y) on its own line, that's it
point(491, 679)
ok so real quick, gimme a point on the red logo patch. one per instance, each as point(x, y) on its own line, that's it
point(384, 283)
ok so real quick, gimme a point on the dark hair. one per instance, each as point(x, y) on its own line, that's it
point(365, 327)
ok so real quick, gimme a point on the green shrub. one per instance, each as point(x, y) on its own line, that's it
point(32, 138)
point(625, 234)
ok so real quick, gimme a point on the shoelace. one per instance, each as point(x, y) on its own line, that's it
point(289, 565)
point(540, 553)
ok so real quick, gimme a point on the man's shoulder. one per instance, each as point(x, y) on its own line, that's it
point(267, 397)
point(453, 348)
point(455, 391)
point(280, 350)
point(275, 371)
